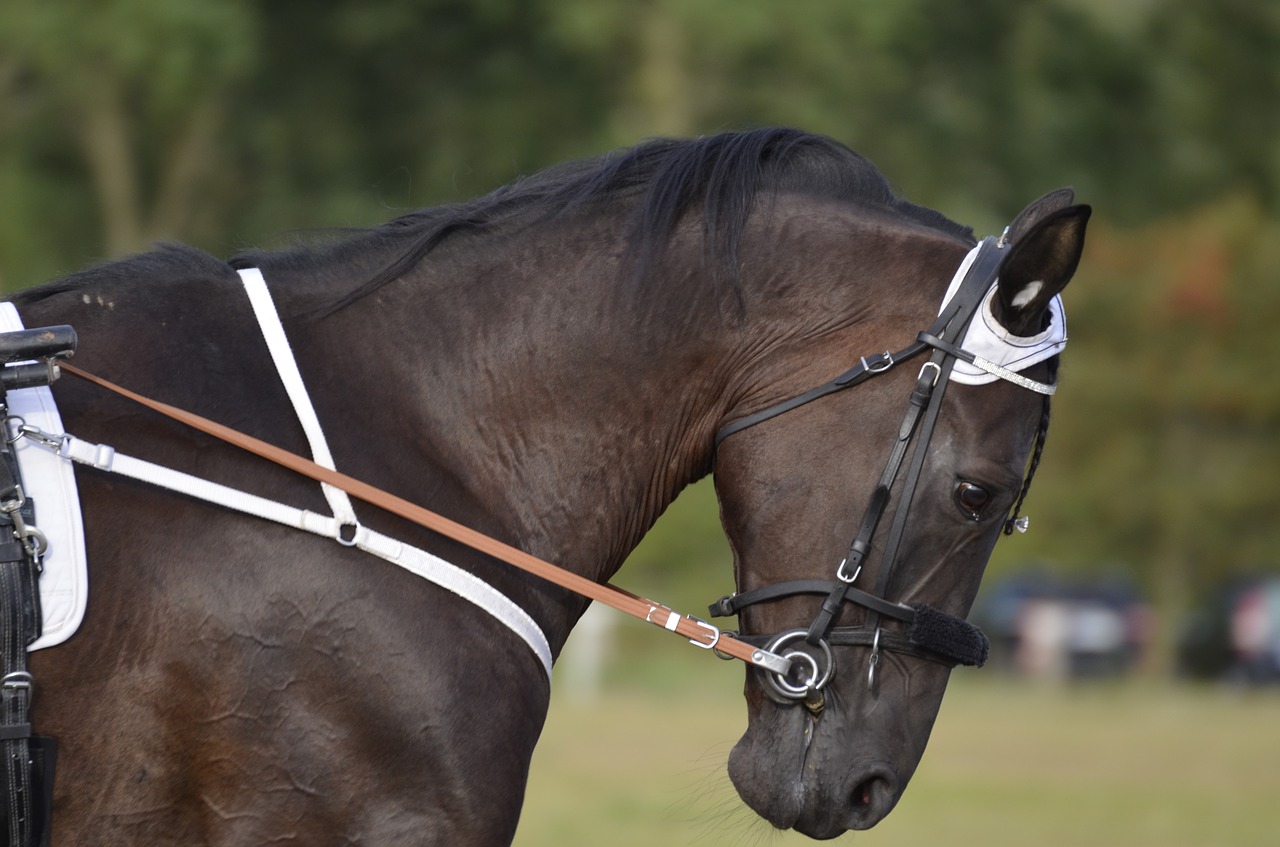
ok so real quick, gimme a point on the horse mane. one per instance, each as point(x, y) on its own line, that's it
point(661, 180)
point(657, 183)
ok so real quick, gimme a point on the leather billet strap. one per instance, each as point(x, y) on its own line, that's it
point(698, 632)
point(27, 360)
point(19, 626)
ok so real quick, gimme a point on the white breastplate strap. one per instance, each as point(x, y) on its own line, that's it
point(264, 308)
point(342, 526)
point(416, 561)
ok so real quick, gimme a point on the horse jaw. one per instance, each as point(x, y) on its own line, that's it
point(798, 772)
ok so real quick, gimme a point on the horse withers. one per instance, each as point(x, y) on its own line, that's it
point(549, 365)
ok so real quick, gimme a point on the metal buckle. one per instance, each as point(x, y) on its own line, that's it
point(714, 630)
point(673, 621)
point(886, 362)
point(937, 371)
point(18, 681)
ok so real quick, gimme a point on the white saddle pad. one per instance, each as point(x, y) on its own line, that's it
point(50, 482)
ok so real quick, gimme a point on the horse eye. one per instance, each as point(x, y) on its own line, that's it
point(972, 497)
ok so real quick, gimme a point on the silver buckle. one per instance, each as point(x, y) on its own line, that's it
point(886, 362)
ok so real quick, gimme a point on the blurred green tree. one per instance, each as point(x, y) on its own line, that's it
point(132, 97)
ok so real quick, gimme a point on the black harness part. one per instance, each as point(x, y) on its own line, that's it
point(922, 630)
point(26, 760)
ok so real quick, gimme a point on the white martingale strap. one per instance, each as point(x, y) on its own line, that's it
point(999, 354)
point(425, 565)
point(429, 567)
point(264, 308)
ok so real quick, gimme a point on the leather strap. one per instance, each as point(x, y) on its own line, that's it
point(867, 367)
point(698, 632)
point(932, 635)
point(989, 366)
point(734, 603)
point(19, 626)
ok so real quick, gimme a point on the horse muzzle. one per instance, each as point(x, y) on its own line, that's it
point(801, 772)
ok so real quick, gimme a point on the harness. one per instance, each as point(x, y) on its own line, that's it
point(923, 631)
point(26, 759)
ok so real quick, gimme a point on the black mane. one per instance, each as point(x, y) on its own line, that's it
point(664, 179)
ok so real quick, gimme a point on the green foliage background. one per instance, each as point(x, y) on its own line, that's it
point(228, 123)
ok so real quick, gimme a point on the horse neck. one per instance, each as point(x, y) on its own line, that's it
point(541, 395)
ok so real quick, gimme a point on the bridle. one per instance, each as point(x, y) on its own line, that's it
point(925, 632)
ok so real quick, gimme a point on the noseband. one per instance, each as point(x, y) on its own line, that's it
point(924, 631)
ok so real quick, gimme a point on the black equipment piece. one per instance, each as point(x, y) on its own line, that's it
point(27, 760)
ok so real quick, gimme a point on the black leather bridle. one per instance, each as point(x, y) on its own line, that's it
point(926, 632)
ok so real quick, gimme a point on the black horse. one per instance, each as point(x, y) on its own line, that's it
point(550, 365)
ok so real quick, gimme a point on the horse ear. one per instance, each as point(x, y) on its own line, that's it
point(1039, 265)
point(1051, 202)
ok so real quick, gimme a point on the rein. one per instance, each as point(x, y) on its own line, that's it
point(698, 632)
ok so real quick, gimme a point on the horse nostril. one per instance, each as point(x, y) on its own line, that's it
point(873, 798)
point(864, 792)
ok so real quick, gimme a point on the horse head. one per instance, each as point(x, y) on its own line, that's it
point(831, 746)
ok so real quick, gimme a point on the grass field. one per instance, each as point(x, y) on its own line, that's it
point(1010, 763)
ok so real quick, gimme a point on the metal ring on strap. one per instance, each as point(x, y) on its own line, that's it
point(817, 677)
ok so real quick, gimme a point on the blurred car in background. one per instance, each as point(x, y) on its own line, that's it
point(1046, 625)
point(1234, 635)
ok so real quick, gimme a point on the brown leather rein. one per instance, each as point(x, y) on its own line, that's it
point(699, 633)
